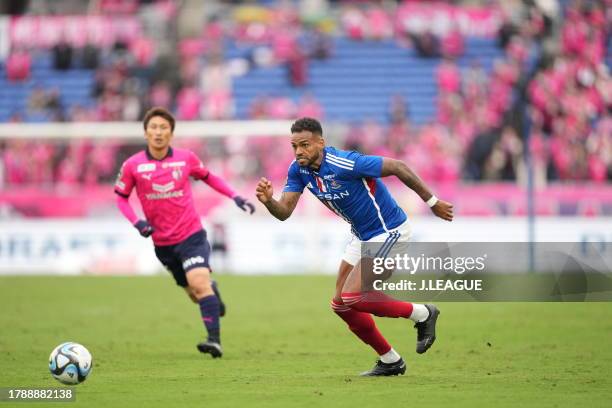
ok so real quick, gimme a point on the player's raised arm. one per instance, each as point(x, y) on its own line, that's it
point(393, 167)
point(281, 209)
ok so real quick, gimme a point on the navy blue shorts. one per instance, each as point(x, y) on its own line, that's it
point(193, 252)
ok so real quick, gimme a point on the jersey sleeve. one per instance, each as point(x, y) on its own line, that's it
point(294, 182)
point(366, 166)
point(197, 170)
point(125, 180)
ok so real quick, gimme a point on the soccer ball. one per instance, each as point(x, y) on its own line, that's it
point(70, 363)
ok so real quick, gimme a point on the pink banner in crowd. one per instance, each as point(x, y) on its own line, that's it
point(46, 31)
point(469, 200)
point(85, 201)
point(472, 21)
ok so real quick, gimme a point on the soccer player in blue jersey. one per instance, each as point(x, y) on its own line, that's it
point(349, 183)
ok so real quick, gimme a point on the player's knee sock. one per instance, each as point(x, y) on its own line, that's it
point(362, 324)
point(377, 303)
point(209, 309)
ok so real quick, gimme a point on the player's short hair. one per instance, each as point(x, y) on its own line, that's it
point(158, 111)
point(307, 124)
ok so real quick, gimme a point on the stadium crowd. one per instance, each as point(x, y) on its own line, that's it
point(553, 73)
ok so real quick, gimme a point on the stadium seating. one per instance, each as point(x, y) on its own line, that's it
point(355, 84)
point(75, 88)
point(359, 80)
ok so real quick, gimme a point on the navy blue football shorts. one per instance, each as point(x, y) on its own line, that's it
point(193, 252)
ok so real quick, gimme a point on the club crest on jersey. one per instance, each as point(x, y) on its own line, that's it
point(335, 185)
point(177, 174)
point(163, 188)
point(145, 167)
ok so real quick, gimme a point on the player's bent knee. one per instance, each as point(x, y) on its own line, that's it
point(351, 298)
point(338, 306)
point(199, 282)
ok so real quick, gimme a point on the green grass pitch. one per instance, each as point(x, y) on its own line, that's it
point(285, 348)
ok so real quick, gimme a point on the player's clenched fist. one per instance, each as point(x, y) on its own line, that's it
point(264, 190)
point(443, 210)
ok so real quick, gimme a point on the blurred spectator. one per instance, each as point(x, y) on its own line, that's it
point(505, 160)
point(452, 45)
point(399, 135)
point(308, 106)
point(54, 105)
point(284, 44)
point(281, 107)
point(114, 6)
point(110, 107)
point(132, 103)
point(449, 76)
point(16, 162)
point(212, 36)
point(379, 26)
point(160, 94)
point(143, 51)
point(354, 22)
point(506, 31)
point(217, 105)
point(62, 54)
point(37, 101)
point(474, 80)
point(216, 86)
point(45, 105)
point(90, 56)
point(297, 66)
point(318, 45)
point(426, 44)
point(214, 76)
point(188, 102)
point(18, 65)
point(259, 108)
point(398, 109)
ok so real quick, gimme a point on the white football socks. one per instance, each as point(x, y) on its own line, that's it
point(390, 357)
point(419, 313)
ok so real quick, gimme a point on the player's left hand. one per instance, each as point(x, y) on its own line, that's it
point(144, 228)
point(244, 204)
point(443, 209)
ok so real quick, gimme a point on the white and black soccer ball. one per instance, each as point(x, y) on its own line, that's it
point(70, 363)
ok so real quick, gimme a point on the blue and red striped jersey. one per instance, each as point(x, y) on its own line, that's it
point(349, 184)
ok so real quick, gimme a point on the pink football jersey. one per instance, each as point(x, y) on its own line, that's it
point(164, 191)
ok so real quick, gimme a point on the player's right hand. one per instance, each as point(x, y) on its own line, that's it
point(443, 209)
point(144, 228)
point(264, 191)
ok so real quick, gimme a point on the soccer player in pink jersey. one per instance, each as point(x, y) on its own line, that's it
point(161, 175)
